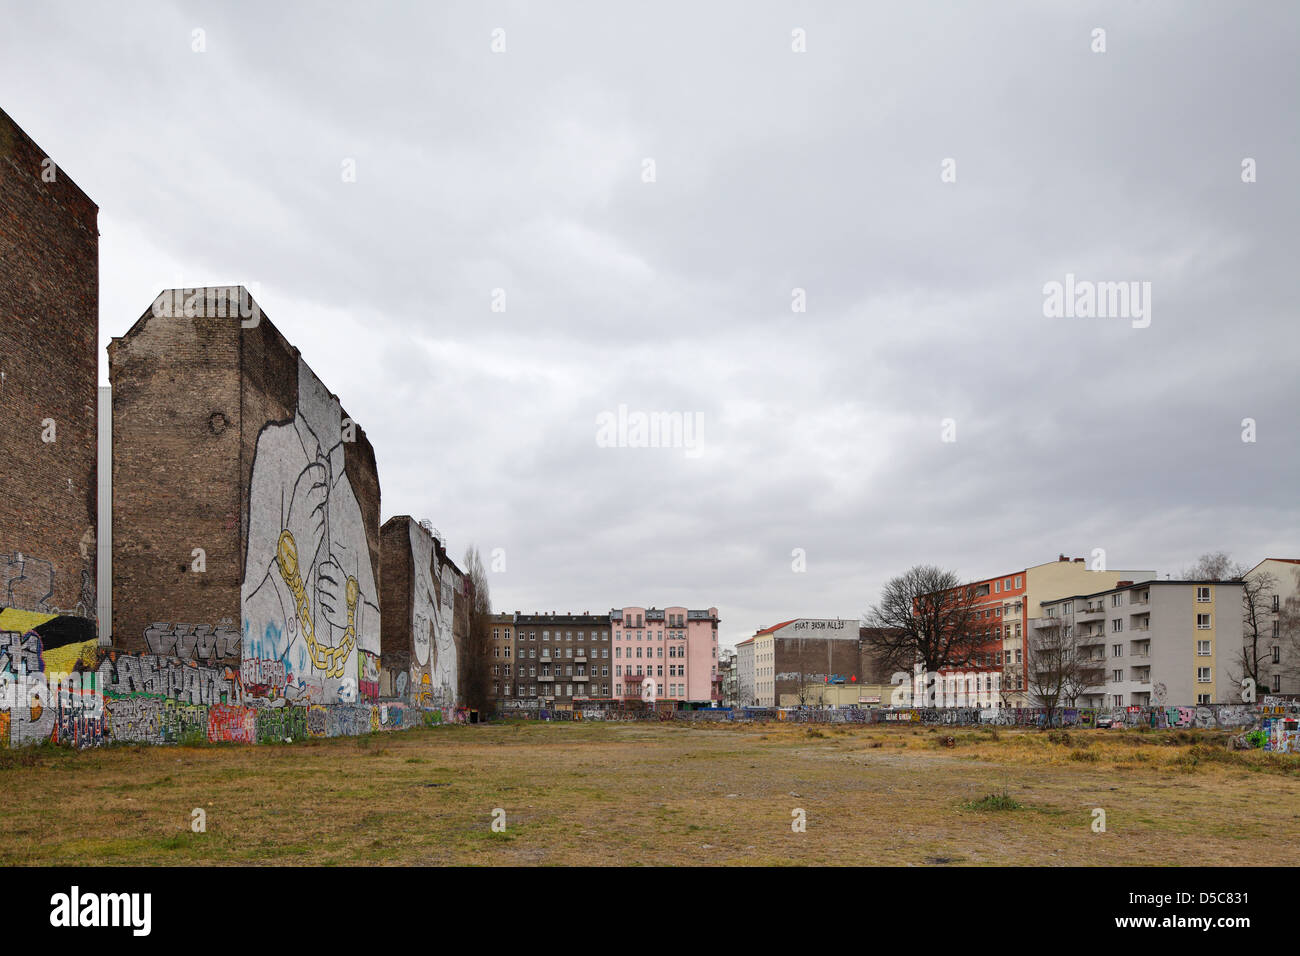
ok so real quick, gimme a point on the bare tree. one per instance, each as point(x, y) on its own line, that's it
point(1214, 566)
point(1057, 675)
point(1289, 635)
point(925, 616)
point(1256, 599)
point(477, 666)
point(1256, 604)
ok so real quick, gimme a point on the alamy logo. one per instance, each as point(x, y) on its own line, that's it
point(1086, 299)
point(211, 303)
point(624, 429)
point(73, 909)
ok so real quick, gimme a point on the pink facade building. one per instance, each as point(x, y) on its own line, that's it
point(666, 655)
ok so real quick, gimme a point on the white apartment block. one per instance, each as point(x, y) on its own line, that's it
point(1155, 642)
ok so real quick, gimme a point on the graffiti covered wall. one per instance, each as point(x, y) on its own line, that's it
point(76, 695)
point(309, 596)
point(423, 607)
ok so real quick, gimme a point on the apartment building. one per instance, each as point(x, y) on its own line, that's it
point(666, 655)
point(1154, 642)
point(558, 659)
point(1278, 620)
point(502, 683)
point(1002, 606)
point(764, 644)
point(727, 677)
point(745, 693)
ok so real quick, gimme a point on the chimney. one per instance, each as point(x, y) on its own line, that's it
point(1078, 560)
point(1062, 558)
point(1123, 584)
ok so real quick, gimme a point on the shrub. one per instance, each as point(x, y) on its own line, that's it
point(994, 802)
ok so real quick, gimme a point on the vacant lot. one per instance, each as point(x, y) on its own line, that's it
point(661, 794)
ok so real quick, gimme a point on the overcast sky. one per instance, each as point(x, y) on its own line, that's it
point(774, 170)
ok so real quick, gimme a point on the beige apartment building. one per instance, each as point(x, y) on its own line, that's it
point(1278, 613)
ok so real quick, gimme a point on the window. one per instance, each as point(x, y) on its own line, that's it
point(1117, 600)
point(1018, 580)
point(997, 587)
point(1277, 683)
point(1203, 675)
point(1117, 675)
point(1275, 602)
point(1277, 657)
point(1067, 607)
point(1202, 698)
point(1007, 584)
point(1202, 622)
point(1117, 650)
point(1118, 700)
point(1117, 625)
point(1202, 648)
point(1203, 595)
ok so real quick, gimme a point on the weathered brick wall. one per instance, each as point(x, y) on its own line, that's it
point(814, 658)
point(49, 342)
point(225, 440)
point(176, 450)
point(395, 600)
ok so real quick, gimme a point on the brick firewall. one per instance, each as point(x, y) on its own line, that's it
point(49, 341)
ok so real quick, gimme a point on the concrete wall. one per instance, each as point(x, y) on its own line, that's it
point(49, 342)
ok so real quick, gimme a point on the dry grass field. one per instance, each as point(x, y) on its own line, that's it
point(661, 794)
